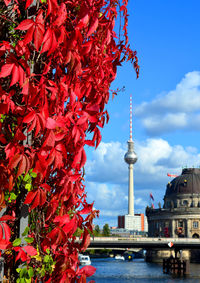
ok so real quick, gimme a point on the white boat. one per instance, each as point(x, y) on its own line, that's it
point(119, 257)
point(84, 259)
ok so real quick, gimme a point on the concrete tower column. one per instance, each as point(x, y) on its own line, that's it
point(130, 192)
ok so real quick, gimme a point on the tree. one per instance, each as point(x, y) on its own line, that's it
point(57, 60)
point(97, 229)
point(106, 230)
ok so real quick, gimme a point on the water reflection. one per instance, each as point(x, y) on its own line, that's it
point(113, 271)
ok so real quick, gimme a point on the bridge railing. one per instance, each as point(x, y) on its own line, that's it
point(144, 239)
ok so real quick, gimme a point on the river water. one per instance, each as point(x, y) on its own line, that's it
point(110, 270)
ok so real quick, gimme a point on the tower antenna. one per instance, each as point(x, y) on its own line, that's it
point(131, 119)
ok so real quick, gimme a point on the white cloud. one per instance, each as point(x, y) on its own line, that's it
point(107, 164)
point(177, 109)
point(109, 198)
point(156, 125)
point(107, 173)
point(155, 158)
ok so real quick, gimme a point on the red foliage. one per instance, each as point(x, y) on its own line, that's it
point(56, 69)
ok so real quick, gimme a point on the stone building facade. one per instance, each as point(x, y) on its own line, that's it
point(180, 215)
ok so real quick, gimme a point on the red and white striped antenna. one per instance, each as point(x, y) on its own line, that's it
point(131, 133)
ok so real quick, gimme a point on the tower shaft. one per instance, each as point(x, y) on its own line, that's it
point(130, 191)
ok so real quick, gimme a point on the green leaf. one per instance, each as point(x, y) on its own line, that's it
point(18, 270)
point(30, 272)
point(20, 178)
point(17, 242)
point(26, 231)
point(47, 258)
point(23, 273)
point(13, 196)
point(48, 251)
point(27, 177)
point(6, 197)
point(28, 187)
point(29, 240)
point(33, 174)
point(42, 273)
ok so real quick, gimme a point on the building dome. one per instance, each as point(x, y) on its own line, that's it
point(187, 183)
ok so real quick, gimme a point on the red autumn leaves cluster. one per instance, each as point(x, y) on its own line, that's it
point(57, 65)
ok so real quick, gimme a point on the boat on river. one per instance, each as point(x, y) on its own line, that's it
point(84, 259)
point(119, 257)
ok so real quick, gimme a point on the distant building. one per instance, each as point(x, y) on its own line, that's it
point(137, 222)
point(180, 215)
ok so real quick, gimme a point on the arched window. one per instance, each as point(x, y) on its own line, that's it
point(195, 224)
point(180, 223)
point(185, 203)
point(195, 235)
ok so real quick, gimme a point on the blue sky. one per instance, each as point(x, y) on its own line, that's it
point(166, 106)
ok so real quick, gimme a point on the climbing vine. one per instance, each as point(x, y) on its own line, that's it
point(58, 59)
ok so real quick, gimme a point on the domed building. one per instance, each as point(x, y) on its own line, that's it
point(180, 215)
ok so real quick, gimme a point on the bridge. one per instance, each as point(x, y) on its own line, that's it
point(144, 243)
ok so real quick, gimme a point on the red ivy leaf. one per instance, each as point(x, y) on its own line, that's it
point(25, 25)
point(29, 118)
point(62, 220)
point(6, 70)
point(49, 42)
point(42, 197)
point(21, 254)
point(7, 2)
point(93, 27)
point(28, 3)
point(71, 226)
point(50, 139)
point(7, 217)
point(87, 209)
point(35, 198)
point(3, 244)
point(86, 240)
point(51, 123)
point(35, 29)
point(15, 161)
point(87, 270)
point(31, 251)
point(83, 158)
point(52, 6)
point(13, 68)
point(30, 196)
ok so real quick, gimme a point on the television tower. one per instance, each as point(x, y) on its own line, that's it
point(130, 157)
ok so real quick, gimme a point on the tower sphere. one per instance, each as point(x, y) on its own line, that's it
point(130, 157)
